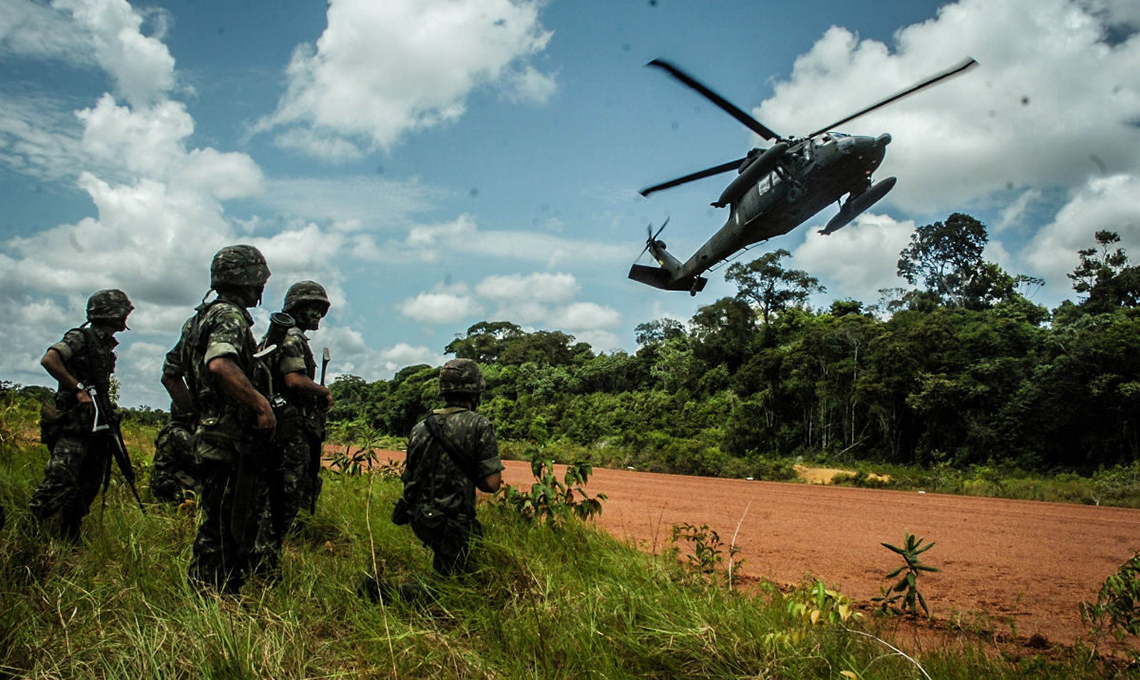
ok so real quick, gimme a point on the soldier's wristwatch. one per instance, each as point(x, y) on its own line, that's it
point(80, 386)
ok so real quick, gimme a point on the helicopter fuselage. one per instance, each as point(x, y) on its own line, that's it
point(778, 188)
point(812, 175)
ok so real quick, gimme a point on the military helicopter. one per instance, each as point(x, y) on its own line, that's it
point(778, 188)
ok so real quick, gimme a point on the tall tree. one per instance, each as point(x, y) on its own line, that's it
point(1105, 276)
point(485, 341)
point(946, 258)
point(769, 286)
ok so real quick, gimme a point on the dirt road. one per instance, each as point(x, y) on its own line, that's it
point(1003, 562)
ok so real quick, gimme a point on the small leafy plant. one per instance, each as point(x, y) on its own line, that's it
point(906, 589)
point(708, 551)
point(353, 463)
point(551, 499)
point(1116, 611)
point(812, 603)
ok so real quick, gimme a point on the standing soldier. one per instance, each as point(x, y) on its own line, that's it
point(300, 429)
point(83, 360)
point(450, 453)
point(215, 375)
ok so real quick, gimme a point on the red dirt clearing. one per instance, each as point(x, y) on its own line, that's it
point(1025, 562)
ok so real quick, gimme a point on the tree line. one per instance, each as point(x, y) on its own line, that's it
point(961, 369)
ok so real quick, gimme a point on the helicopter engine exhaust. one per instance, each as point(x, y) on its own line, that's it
point(751, 174)
point(856, 205)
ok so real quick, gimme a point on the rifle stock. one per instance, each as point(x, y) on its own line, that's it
point(105, 422)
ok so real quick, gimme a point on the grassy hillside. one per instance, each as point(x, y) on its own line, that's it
point(546, 603)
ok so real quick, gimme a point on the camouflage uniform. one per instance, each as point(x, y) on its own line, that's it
point(221, 328)
point(297, 444)
point(174, 471)
point(432, 477)
point(79, 459)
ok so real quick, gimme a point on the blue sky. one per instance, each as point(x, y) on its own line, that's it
point(436, 163)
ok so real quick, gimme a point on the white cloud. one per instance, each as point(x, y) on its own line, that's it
point(860, 258)
point(1049, 92)
point(381, 70)
point(140, 65)
point(539, 288)
point(462, 237)
point(585, 316)
point(440, 308)
point(1104, 203)
point(34, 29)
point(39, 137)
point(355, 202)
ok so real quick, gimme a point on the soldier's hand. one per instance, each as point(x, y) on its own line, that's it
point(328, 401)
point(85, 399)
point(265, 418)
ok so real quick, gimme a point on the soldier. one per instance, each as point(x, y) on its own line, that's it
point(83, 360)
point(300, 429)
point(214, 374)
point(174, 471)
point(450, 453)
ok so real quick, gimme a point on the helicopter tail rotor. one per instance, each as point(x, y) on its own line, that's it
point(651, 243)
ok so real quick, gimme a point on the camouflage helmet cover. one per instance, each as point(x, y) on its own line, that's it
point(305, 291)
point(239, 265)
point(111, 304)
point(461, 376)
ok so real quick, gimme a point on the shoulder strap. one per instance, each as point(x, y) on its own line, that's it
point(96, 359)
point(433, 428)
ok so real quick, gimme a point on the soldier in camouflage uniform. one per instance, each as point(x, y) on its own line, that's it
point(214, 375)
point(80, 459)
point(300, 427)
point(174, 471)
point(439, 484)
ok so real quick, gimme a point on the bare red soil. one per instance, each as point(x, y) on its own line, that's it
point(1011, 566)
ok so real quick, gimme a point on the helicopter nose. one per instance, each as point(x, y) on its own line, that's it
point(883, 139)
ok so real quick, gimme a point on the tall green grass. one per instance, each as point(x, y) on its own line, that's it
point(543, 603)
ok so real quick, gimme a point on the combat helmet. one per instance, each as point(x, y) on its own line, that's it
point(461, 376)
point(239, 265)
point(305, 291)
point(110, 304)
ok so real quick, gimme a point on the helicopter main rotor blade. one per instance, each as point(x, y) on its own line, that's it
point(707, 172)
point(748, 121)
point(938, 77)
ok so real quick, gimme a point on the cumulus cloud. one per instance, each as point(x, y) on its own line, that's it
point(352, 355)
point(538, 300)
point(158, 203)
point(37, 30)
point(859, 259)
point(1046, 125)
point(361, 87)
point(1103, 203)
point(1049, 92)
point(140, 65)
point(440, 307)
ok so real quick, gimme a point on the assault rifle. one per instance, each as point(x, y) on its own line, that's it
point(258, 460)
point(105, 421)
point(315, 463)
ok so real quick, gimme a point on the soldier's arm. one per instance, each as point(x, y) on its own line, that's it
point(489, 463)
point(298, 382)
point(234, 382)
point(53, 364)
point(491, 482)
point(179, 393)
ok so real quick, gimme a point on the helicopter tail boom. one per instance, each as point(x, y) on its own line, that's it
point(662, 278)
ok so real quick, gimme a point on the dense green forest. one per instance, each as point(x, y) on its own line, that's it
point(962, 369)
